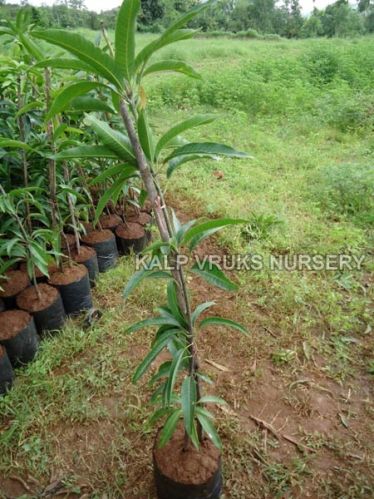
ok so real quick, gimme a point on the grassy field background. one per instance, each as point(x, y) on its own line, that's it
point(74, 424)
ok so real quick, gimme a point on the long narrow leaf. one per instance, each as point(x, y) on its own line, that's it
point(85, 151)
point(200, 309)
point(208, 228)
point(209, 148)
point(169, 428)
point(180, 128)
point(181, 160)
point(129, 170)
point(145, 136)
point(165, 39)
point(100, 62)
point(64, 63)
point(175, 66)
point(155, 321)
point(173, 374)
point(156, 349)
point(220, 321)
point(188, 399)
point(125, 37)
point(67, 94)
point(86, 103)
point(208, 427)
point(212, 274)
point(139, 276)
point(116, 141)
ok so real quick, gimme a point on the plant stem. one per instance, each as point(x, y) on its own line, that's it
point(51, 162)
point(106, 38)
point(21, 127)
point(159, 209)
point(71, 210)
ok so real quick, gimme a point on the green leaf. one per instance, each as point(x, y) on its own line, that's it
point(160, 413)
point(14, 144)
point(163, 371)
point(169, 428)
point(176, 223)
point(156, 349)
point(85, 151)
point(173, 374)
point(173, 302)
point(181, 160)
point(60, 63)
point(188, 400)
point(29, 107)
point(220, 321)
point(112, 194)
point(139, 276)
point(208, 426)
point(100, 62)
point(125, 37)
point(180, 128)
point(206, 148)
point(176, 66)
point(171, 35)
point(30, 46)
point(200, 309)
point(145, 136)
point(129, 170)
point(165, 39)
point(206, 229)
point(211, 399)
point(67, 94)
point(116, 141)
point(213, 275)
point(87, 103)
point(154, 321)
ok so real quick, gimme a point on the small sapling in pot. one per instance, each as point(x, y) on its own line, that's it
point(42, 301)
point(187, 439)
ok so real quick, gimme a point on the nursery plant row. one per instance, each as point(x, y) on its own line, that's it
point(29, 311)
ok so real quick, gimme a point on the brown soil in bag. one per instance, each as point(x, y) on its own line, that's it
point(85, 254)
point(88, 227)
point(16, 282)
point(143, 218)
point(30, 301)
point(192, 467)
point(130, 231)
point(110, 221)
point(68, 240)
point(98, 236)
point(12, 322)
point(68, 276)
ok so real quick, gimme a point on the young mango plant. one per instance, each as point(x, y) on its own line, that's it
point(19, 242)
point(133, 145)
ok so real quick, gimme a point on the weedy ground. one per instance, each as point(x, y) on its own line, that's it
point(299, 420)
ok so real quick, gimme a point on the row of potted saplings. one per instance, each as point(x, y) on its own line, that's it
point(28, 312)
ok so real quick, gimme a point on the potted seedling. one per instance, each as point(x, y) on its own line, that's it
point(40, 300)
point(6, 370)
point(188, 429)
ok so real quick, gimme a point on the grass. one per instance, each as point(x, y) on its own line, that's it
point(304, 110)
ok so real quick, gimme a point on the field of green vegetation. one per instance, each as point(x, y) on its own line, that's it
point(300, 418)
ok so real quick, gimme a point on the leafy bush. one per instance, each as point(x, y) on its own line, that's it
point(272, 36)
point(347, 190)
point(354, 114)
point(249, 33)
point(322, 64)
point(260, 226)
